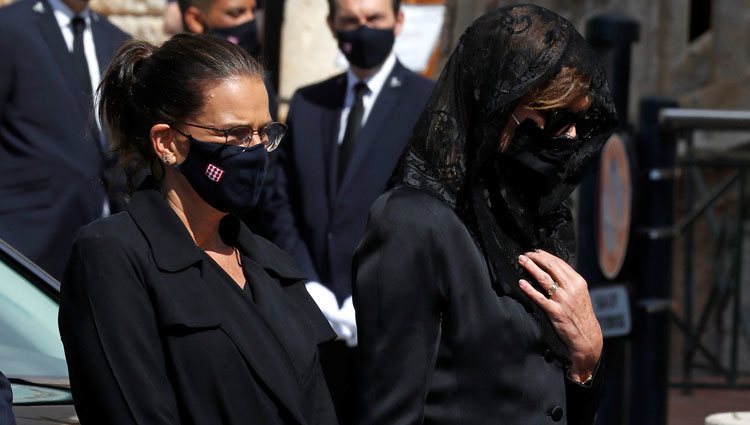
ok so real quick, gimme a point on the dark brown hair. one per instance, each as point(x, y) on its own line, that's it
point(568, 87)
point(146, 85)
point(332, 7)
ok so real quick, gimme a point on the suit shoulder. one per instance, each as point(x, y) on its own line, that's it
point(112, 30)
point(17, 14)
point(417, 82)
point(322, 89)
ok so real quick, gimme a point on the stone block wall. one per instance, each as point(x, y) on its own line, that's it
point(140, 18)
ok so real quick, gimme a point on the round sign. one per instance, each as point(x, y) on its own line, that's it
point(614, 194)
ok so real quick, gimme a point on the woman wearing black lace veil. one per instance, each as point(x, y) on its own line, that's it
point(451, 331)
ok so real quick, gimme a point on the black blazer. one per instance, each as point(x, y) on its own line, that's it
point(50, 169)
point(6, 402)
point(155, 333)
point(437, 345)
point(318, 223)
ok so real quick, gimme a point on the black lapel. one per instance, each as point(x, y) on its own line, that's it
point(261, 348)
point(50, 30)
point(379, 119)
point(330, 127)
point(175, 253)
point(259, 344)
point(102, 44)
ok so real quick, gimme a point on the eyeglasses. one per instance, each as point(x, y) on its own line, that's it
point(558, 121)
point(242, 135)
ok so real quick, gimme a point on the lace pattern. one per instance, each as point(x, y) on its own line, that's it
point(498, 59)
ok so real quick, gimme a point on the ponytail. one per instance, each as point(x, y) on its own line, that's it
point(118, 106)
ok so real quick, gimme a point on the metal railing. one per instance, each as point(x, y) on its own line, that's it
point(699, 201)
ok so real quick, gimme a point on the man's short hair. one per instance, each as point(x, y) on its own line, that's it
point(203, 5)
point(332, 7)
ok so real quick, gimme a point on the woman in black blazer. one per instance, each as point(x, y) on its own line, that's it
point(173, 312)
point(467, 309)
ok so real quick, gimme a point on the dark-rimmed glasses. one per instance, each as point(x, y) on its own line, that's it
point(270, 134)
point(558, 121)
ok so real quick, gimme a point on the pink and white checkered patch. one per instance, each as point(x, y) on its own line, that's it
point(214, 173)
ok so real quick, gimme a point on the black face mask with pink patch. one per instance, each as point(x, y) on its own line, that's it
point(366, 47)
point(227, 177)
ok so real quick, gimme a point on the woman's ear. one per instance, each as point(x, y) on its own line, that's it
point(163, 143)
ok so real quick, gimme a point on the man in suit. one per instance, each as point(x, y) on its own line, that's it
point(6, 402)
point(54, 162)
point(235, 20)
point(345, 137)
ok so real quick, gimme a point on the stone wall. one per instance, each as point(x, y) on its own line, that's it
point(308, 49)
point(140, 18)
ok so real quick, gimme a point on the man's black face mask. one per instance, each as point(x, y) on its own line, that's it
point(366, 47)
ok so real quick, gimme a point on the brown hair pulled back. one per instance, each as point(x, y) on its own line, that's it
point(567, 87)
point(146, 85)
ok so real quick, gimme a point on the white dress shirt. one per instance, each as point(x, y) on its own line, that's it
point(374, 84)
point(64, 16)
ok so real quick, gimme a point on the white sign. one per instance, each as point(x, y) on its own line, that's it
point(419, 36)
point(612, 309)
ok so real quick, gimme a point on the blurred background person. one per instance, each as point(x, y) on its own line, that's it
point(468, 310)
point(173, 311)
point(172, 18)
point(345, 137)
point(235, 20)
point(6, 402)
point(54, 157)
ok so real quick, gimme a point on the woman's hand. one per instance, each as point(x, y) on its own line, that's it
point(568, 306)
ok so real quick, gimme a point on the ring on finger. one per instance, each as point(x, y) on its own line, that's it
point(553, 289)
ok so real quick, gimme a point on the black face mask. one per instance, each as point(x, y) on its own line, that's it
point(227, 177)
point(366, 47)
point(244, 35)
point(538, 151)
point(536, 160)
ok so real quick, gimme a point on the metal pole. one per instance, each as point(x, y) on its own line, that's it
point(738, 278)
point(687, 345)
point(651, 264)
point(612, 36)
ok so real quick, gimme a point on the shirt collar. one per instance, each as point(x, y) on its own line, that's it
point(173, 248)
point(376, 81)
point(64, 14)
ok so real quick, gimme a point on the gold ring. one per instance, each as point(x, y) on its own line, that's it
point(553, 289)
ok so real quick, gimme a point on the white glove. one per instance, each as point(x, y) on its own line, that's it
point(349, 321)
point(342, 319)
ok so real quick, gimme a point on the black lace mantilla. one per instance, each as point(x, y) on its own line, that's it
point(501, 57)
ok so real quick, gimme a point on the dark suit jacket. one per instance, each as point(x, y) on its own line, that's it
point(437, 344)
point(6, 402)
point(50, 168)
point(318, 223)
point(155, 333)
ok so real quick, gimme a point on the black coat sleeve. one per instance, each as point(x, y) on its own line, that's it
point(397, 299)
point(6, 402)
point(108, 327)
point(583, 400)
